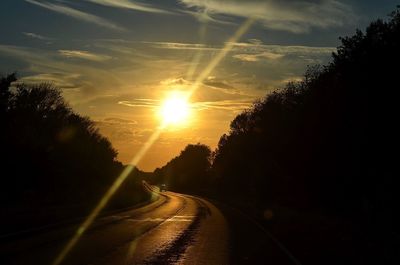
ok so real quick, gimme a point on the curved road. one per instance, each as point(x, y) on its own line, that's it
point(175, 229)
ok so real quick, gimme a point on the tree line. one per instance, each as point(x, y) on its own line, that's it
point(325, 143)
point(53, 158)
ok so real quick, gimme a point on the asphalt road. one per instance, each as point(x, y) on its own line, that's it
point(175, 229)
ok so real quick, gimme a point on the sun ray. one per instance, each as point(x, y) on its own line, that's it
point(136, 159)
point(199, 53)
point(107, 196)
point(222, 53)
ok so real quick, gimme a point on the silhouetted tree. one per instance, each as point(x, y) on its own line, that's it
point(327, 141)
point(189, 171)
point(325, 144)
point(5, 93)
point(53, 157)
point(321, 140)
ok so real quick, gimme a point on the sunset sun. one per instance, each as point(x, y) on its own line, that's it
point(175, 110)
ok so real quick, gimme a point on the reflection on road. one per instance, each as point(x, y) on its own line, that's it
point(174, 229)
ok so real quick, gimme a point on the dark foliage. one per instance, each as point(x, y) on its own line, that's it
point(326, 142)
point(324, 145)
point(187, 172)
point(52, 157)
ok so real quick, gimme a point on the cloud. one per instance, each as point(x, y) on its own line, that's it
point(204, 17)
point(61, 80)
point(256, 57)
point(175, 82)
point(86, 78)
point(119, 130)
point(296, 16)
point(229, 105)
point(222, 86)
point(254, 51)
point(180, 46)
point(254, 46)
point(35, 36)
point(140, 102)
point(113, 120)
point(242, 101)
point(77, 14)
point(125, 4)
point(84, 55)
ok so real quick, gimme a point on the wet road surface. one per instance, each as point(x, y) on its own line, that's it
point(175, 229)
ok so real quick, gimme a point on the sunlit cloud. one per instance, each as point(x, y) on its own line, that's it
point(84, 55)
point(296, 16)
point(243, 101)
point(256, 57)
point(77, 14)
point(86, 78)
point(141, 102)
point(181, 46)
point(174, 81)
point(119, 121)
point(235, 105)
point(120, 130)
point(255, 45)
point(230, 105)
point(252, 46)
point(204, 17)
point(132, 5)
point(222, 86)
point(144, 69)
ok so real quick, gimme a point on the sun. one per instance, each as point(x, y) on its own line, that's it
point(175, 110)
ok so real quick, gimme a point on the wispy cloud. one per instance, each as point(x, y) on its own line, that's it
point(120, 130)
point(36, 36)
point(48, 66)
point(84, 55)
point(112, 120)
point(251, 51)
point(297, 16)
point(140, 102)
point(204, 17)
point(256, 57)
point(230, 105)
point(254, 51)
point(61, 80)
point(180, 46)
point(77, 14)
point(254, 45)
point(132, 5)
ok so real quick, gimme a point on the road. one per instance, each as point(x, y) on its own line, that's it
point(175, 229)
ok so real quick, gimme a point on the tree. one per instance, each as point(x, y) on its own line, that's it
point(322, 142)
point(189, 171)
point(49, 151)
point(5, 83)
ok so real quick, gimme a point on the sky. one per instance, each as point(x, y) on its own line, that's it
point(117, 60)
